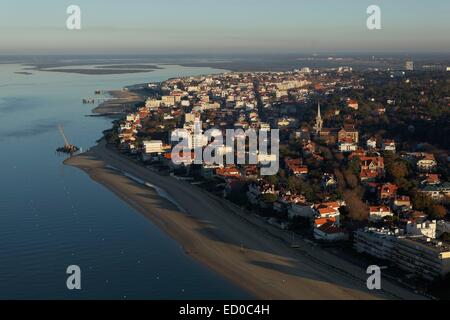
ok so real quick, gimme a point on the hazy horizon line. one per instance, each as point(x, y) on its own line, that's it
point(238, 54)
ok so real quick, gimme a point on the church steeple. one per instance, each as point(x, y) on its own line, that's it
point(319, 121)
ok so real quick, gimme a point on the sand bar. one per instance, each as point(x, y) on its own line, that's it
point(121, 102)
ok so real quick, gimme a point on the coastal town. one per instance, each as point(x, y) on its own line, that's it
point(350, 176)
point(216, 159)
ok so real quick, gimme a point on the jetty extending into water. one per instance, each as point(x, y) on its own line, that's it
point(68, 148)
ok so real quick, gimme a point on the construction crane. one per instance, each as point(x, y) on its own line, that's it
point(68, 148)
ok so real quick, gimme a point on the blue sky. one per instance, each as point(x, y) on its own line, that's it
point(231, 26)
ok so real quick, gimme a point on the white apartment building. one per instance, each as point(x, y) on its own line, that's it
point(153, 146)
point(375, 242)
point(422, 256)
point(416, 254)
point(152, 103)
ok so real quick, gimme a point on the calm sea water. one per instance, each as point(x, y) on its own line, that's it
point(53, 216)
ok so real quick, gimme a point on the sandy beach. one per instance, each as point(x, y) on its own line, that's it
point(122, 101)
point(240, 247)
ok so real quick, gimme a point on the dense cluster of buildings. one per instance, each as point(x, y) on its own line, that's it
point(265, 100)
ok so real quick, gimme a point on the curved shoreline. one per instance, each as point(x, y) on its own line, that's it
point(121, 102)
point(238, 247)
